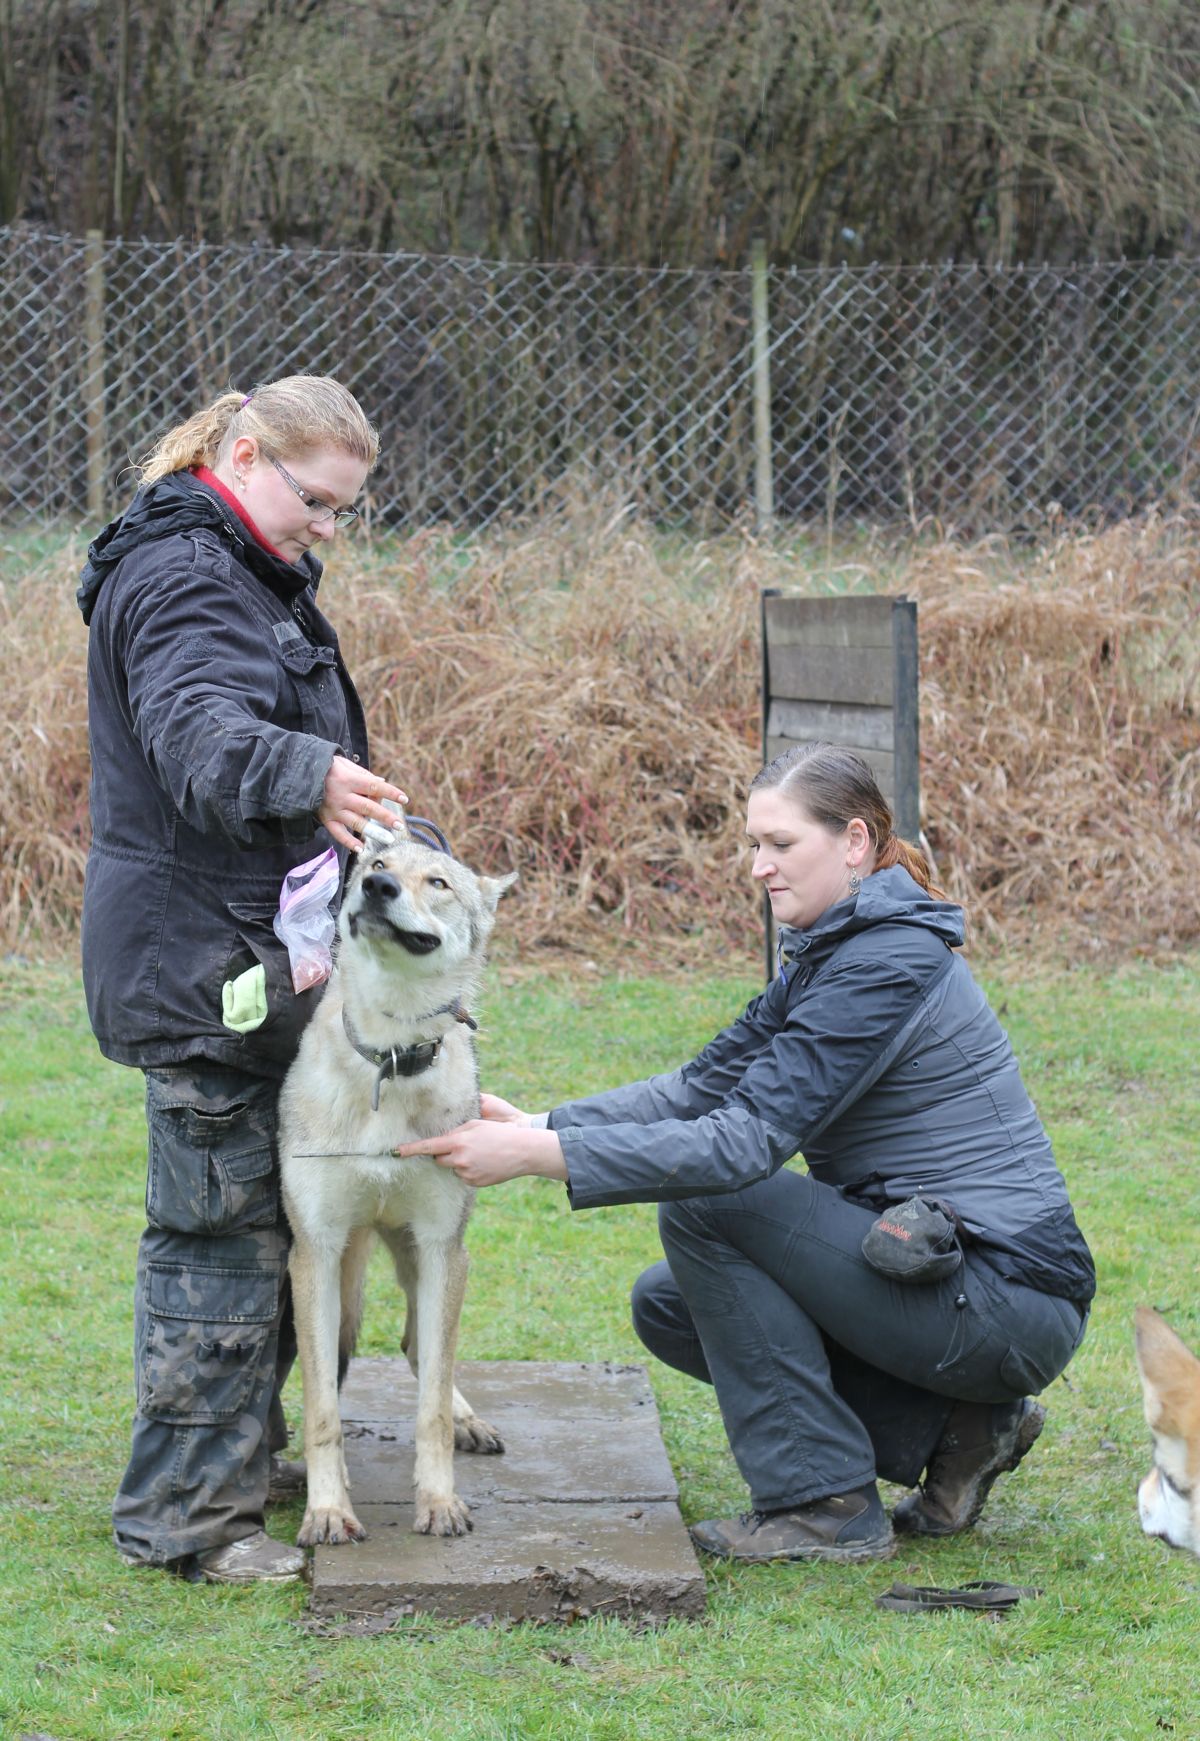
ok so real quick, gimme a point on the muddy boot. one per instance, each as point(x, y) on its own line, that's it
point(256, 1559)
point(847, 1526)
point(981, 1441)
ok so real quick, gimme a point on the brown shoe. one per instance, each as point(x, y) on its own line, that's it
point(256, 1559)
point(981, 1441)
point(846, 1527)
point(289, 1480)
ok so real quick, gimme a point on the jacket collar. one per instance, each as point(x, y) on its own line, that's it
point(889, 897)
point(180, 503)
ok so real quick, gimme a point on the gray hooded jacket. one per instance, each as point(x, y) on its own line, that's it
point(877, 1057)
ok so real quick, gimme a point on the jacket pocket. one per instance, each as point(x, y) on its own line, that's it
point(206, 1341)
point(319, 699)
point(288, 1011)
point(210, 1171)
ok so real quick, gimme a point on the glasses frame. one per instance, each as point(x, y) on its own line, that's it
point(317, 510)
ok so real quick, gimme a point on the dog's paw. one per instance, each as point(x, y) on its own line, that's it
point(473, 1434)
point(442, 1517)
point(331, 1524)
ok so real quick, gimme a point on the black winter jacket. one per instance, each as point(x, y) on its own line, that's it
point(877, 1057)
point(217, 699)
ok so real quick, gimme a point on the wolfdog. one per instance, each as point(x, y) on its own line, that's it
point(386, 1059)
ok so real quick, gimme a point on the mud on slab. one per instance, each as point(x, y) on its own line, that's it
point(580, 1515)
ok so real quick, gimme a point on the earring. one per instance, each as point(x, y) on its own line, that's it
point(855, 882)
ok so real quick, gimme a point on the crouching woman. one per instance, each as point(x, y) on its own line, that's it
point(875, 1055)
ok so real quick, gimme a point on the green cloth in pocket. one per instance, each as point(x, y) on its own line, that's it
point(244, 1000)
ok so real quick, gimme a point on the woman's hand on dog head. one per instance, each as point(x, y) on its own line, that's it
point(490, 1152)
point(353, 797)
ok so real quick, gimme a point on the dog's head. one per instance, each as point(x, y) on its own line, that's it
point(408, 900)
point(1169, 1497)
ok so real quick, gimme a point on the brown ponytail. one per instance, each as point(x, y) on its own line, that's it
point(832, 785)
point(896, 850)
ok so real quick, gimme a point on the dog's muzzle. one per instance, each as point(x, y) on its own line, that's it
point(378, 892)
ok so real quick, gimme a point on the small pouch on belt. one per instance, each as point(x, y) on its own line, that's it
point(913, 1242)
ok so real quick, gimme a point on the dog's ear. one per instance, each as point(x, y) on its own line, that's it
point(1169, 1370)
point(491, 888)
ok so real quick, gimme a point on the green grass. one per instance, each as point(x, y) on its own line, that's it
point(88, 1649)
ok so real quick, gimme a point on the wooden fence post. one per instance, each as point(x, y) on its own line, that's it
point(764, 489)
point(92, 374)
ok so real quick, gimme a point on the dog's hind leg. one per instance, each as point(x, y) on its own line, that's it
point(471, 1431)
point(352, 1280)
point(315, 1292)
point(399, 1242)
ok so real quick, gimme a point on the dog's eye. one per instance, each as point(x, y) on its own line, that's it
point(438, 883)
point(378, 865)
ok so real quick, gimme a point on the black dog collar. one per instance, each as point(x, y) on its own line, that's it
point(392, 1061)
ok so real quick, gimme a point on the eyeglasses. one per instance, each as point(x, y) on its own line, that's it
point(317, 510)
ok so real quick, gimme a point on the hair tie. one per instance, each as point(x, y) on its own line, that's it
point(246, 400)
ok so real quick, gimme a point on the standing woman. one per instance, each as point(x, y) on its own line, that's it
point(228, 746)
point(875, 1054)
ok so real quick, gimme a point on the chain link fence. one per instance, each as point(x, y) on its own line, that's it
point(976, 395)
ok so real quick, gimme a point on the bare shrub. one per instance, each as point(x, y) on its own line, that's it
point(1061, 744)
point(580, 700)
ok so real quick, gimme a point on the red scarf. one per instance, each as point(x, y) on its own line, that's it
point(213, 482)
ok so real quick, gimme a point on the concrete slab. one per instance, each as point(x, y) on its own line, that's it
point(578, 1517)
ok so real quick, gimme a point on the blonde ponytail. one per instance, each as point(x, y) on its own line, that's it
point(196, 442)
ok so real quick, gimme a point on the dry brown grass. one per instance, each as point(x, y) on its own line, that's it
point(580, 701)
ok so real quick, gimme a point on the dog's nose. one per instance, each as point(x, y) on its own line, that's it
point(380, 887)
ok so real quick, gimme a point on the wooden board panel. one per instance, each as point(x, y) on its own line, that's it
point(858, 676)
point(829, 622)
point(859, 728)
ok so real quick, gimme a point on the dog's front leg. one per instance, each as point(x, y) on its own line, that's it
point(441, 1284)
point(315, 1270)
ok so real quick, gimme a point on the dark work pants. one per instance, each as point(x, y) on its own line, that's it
point(827, 1373)
point(212, 1322)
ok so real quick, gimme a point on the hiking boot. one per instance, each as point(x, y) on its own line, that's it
point(847, 1526)
point(256, 1559)
point(289, 1480)
point(981, 1441)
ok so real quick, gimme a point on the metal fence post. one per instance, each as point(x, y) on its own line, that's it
point(92, 381)
point(764, 502)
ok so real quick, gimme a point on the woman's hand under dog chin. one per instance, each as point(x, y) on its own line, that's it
point(489, 1152)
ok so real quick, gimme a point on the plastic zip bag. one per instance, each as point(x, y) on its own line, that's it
point(304, 922)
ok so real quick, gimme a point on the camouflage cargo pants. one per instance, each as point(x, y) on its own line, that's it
point(212, 1325)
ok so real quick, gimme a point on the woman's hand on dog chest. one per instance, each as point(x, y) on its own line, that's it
point(485, 1151)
